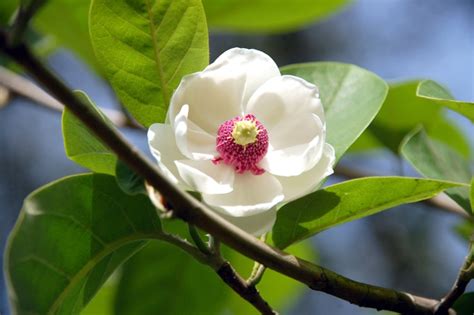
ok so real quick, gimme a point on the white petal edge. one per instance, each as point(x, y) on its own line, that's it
point(283, 97)
point(206, 177)
point(256, 225)
point(162, 144)
point(252, 194)
point(305, 183)
point(192, 141)
point(219, 92)
point(257, 66)
point(294, 160)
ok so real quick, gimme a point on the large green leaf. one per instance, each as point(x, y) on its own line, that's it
point(349, 201)
point(150, 285)
point(436, 93)
point(267, 15)
point(70, 236)
point(351, 97)
point(465, 304)
point(400, 113)
point(82, 146)
point(66, 21)
point(436, 160)
point(145, 47)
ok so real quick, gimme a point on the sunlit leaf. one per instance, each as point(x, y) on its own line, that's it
point(436, 160)
point(145, 47)
point(70, 236)
point(351, 97)
point(82, 146)
point(436, 93)
point(348, 201)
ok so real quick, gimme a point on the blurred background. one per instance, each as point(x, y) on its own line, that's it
point(412, 248)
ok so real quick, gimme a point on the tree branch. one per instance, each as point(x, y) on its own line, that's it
point(192, 211)
point(466, 274)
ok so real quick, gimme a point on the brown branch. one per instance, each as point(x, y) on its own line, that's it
point(223, 269)
point(246, 291)
point(193, 211)
point(23, 87)
point(465, 275)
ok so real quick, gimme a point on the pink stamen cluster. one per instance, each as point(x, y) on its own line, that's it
point(241, 157)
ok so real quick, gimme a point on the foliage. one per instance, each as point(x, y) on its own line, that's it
point(74, 233)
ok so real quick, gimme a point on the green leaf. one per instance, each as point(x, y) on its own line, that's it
point(348, 201)
point(145, 47)
point(465, 304)
point(436, 93)
point(70, 236)
point(465, 230)
point(82, 146)
point(164, 280)
point(401, 112)
point(472, 193)
point(436, 160)
point(66, 21)
point(351, 97)
point(267, 15)
point(129, 181)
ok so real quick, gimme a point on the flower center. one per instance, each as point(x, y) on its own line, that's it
point(242, 142)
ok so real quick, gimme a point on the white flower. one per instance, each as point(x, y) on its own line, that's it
point(245, 137)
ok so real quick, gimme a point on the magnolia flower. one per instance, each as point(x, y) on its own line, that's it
point(244, 136)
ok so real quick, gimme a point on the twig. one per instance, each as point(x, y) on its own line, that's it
point(258, 269)
point(441, 201)
point(223, 269)
point(193, 211)
point(466, 274)
point(246, 291)
point(24, 14)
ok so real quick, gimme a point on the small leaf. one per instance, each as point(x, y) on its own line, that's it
point(145, 47)
point(129, 181)
point(465, 230)
point(267, 15)
point(348, 201)
point(465, 304)
point(435, 160)
point(437, 94)
point(82, 146)
point(66, 21)
point(400, 113)
point(70, 236)
point(351, 97)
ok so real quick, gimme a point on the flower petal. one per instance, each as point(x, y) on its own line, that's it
point(206, 177)
point(257, 66)
point(296, 145)
point(162, 144)
point(283, 97)
point(192, 141)
point(305, 183)
point(257, 224)
point(218, 92)
point(252, 194)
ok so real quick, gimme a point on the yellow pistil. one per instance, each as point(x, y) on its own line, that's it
point(245, 132)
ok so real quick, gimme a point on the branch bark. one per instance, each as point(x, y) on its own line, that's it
point(466, 274)
point(192, 211)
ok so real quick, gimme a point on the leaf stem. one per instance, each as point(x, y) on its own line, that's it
point(198, 240)
point(193, 211)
